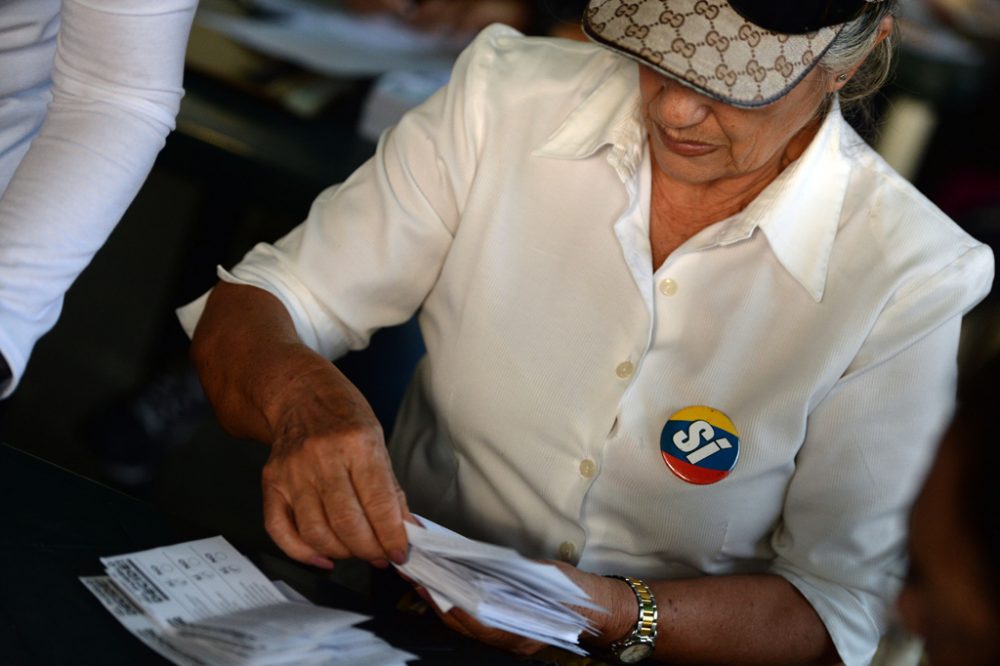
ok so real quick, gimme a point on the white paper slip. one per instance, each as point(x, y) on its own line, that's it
point(273, 634)
point(189, 581)
point(138, 623)
point(203, 603)
point(497, 586)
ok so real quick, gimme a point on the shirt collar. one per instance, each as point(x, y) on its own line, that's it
point(608, 116)
point(799, 212)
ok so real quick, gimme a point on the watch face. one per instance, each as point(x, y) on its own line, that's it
point(633, 654)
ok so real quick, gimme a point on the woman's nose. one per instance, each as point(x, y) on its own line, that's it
point(677, 106)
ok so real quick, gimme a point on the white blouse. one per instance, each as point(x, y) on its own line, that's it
point(105, 77)
point(512, 211)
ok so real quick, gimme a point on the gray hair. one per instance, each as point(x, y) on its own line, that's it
point(856, 41)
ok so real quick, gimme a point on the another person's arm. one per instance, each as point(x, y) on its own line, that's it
point(116, 88)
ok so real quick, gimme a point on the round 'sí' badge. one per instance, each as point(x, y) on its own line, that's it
point(700, 445)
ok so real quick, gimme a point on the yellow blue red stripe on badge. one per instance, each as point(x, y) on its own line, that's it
point(701, 445)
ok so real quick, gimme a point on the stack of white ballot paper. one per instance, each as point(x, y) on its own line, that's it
point(497, 586)
point(202, 603)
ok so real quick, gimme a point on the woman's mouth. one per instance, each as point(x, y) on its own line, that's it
point(685, 147)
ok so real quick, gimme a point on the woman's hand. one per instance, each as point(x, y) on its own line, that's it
point(329, 490)
point(609, 593)
point(459, 621)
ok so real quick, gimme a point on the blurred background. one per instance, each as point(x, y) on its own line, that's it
point(285, 97)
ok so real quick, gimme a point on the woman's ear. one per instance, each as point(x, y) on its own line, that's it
point(884, 29)
point(840, 79)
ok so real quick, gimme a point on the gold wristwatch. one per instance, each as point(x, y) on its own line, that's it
point(641, 641)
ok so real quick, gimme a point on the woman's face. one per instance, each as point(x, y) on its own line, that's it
point(695, 139)
point(946, 597)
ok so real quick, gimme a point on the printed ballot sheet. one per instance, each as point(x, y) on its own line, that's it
point(190, 581)
point(202, 603)
point(497, 586)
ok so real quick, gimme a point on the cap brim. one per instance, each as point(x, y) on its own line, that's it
point(708, 46)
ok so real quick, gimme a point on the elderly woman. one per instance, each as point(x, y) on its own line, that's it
point(682, 325)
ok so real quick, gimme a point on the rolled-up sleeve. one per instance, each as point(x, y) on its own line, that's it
point(841, 541)
point(372, 247)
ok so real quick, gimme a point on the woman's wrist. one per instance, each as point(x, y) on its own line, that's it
point(283, 378)
point(623, 611)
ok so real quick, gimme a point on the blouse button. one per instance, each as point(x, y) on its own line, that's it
point(625, 369)
point(668, 287)
point(567, 552)
point(588, 468)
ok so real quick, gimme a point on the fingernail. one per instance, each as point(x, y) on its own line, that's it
point(398, 556)
point(321, 562)
point(380, 564)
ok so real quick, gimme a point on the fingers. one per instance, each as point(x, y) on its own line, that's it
point(452, 622)
point(335, 498)
point(280, 527)
point(328, 482)
point(458, 620)
point(384, 506)
point(316, 529)
point(347, 516)
point(463, 623)
point(364, 505)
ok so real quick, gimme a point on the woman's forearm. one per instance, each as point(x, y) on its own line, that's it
point(329, 491)
point(248, 355)
point(751, 619)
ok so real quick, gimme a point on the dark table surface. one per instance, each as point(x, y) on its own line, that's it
point(58, 524)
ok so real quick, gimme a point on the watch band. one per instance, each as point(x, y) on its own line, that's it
point(641, 641)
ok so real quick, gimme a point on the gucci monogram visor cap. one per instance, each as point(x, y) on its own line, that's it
point(746, 53)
